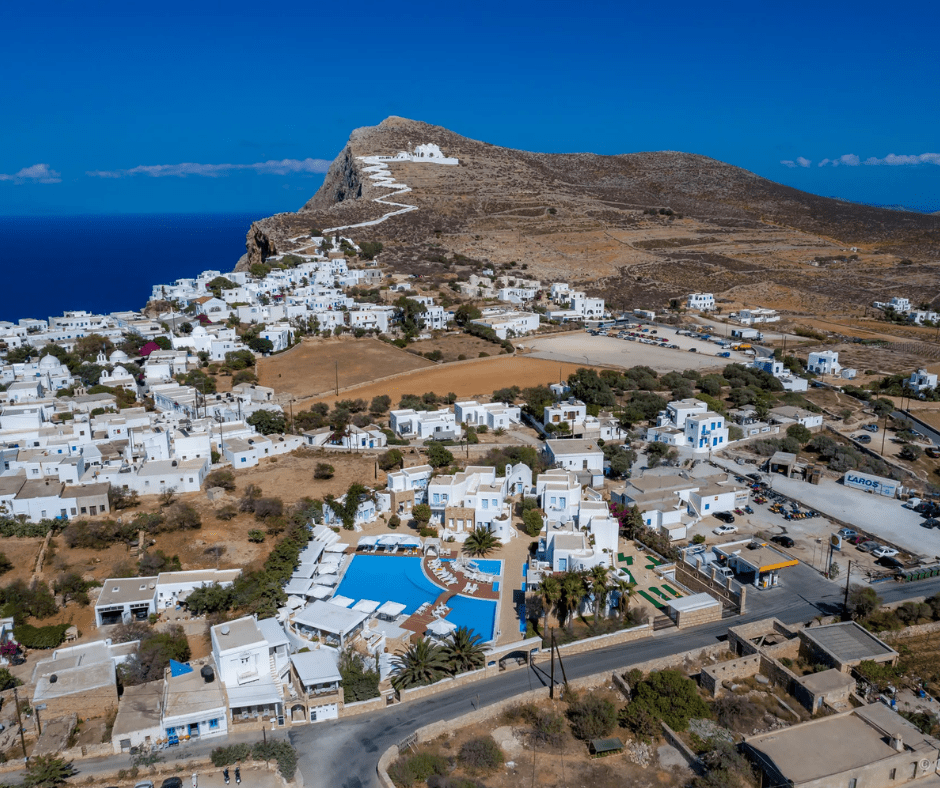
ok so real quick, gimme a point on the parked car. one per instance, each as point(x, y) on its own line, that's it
point(866, 439)
point(724, 572)
point(847, 533)
point(933, 453)
point(725, 517)
point(857, 540)
point(867, 547)
point(930, 522)
point(783, 541)
point(890, 563)
point(692, 350)
point(870, 428)
point(748, 510)
point(721, 530)
point(172, 782)
point(144, 784)
point(884, 552)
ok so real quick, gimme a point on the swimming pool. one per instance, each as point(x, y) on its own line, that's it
point(401, 579)
point(476, 614)
point(487, 565)
point(388, 579)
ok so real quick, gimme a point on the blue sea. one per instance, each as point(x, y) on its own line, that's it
point(51, 264)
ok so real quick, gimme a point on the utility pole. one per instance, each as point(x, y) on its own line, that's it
point(551, 684)
point(884, 434)
point(337, 378)
point(19, 721)
point(848, 574)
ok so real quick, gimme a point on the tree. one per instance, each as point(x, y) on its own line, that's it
point(410, 313)
point(359, 680)
point(621, 459)
point(438, 455)
point(463, 651)
point(181, 516)
point(587, 385)
point(47, 771)
point(260, 344)
point(507, 395)
point(217, 285)
point(422, 514)
point(209, 599)
point(267, 422)
point(380, 405)
point(323, 471)
point(671, 697)
point(572, 592)
point(536, 399)
point(799, 433)
point(624, 589)
point(863, 601)
point(465, 313)
point(481, 542)
point(391, 459)
point(422, 663)
point(599, 585)
point(882, 407)
point(911, 453)
point(592, 717)
point(533, 522)
point(221, 478)
point(551, 595)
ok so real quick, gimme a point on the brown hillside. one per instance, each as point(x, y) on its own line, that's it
point(581, 216)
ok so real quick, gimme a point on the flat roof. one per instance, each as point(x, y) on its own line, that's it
point(141, 707)
point(573, 446)
point(316, 667)
point(239, 633)
point(191, 694)
point(826, 681)
point(849, 642)
point(72, 681)
point(199, 576)
point(273, 632)
point(329, 618)
point(850, 743)
point(693, 602)
point(121, 591)
point(40, 488)
point(765, 558)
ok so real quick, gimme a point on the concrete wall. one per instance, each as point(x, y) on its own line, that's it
point(713, 676)
point(363, 707)
point(601, 641)
point(693, 618)
point(729, 593)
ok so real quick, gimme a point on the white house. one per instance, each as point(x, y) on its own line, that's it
point(476, 498)
point(704, 302)
point(780, 372)
point(580, 456)
point(175, 587)
point(559, 495)
point(193, 705)
point(921, 380)
point(425, 424)
point(408, 487)
point(688, 423)
point(334, 625)
point(788, 414)
point(824, 362)
point(506, 322)
point(571, 412)
point(494, 415)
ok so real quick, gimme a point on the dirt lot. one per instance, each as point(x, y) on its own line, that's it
point(564, 764)
point(467, 380)
point(311, 367)
point(456, 344)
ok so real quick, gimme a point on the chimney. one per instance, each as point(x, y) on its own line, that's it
point(897, 742)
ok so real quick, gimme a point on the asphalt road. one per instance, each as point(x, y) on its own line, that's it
point(344, 753)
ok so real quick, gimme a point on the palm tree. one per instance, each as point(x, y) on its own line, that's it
point(481, 542)
point(624, 589)
point(463, 651)
point(551, 594)
point(422, 663)
point(599, 584)
point(572, 592)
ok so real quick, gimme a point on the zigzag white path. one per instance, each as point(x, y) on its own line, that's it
point(384, 178)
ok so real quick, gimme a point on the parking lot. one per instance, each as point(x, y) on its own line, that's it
point(584, 348)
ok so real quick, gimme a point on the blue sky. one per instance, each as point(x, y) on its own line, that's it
point(103, 105)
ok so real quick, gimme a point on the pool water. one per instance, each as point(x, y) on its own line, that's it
point(475, 614)
point(489, 566)
point(401, 579)
point(388, 579)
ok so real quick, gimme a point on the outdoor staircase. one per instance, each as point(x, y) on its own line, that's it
point(275, 677)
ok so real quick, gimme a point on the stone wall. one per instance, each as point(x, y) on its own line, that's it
point(694, 618)
point(910, 632)
point(675, 740)
point(363, 706)
point(601, 641)
point(712, 677)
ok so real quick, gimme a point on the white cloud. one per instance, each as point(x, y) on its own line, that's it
point(282, 167)
point(38, 173)
point(823, 163)
point(893, 160)
point(802, 161)
point(788, 163)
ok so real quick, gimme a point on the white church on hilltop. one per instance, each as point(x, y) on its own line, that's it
point(427, 153)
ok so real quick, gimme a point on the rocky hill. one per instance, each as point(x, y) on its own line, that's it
point(635, 227)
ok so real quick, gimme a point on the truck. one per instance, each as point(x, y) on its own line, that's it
point(741, 346)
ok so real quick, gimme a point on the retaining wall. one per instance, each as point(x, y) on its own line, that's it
point(676, 741)
point(910, 632)
point(600, 641)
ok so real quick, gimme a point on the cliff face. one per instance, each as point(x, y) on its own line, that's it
point(343, 182)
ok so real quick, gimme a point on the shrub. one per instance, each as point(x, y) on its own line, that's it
point(359, 681)
point(280, 751)
point(254, 535)
point(592, 718)
point(405, 772)
point(221, 478)
point(532, 519)
point(422, 513)
point(481, 755)
point(390, 459)
point(29, 636)
point(181, 517)
point(323, 471)
point(394, 521)
point(671, 697)
point(266, 508)
point(227, 512)
point(226, 756)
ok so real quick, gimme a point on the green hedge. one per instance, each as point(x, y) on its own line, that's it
point(50, 636)
point(11, 527)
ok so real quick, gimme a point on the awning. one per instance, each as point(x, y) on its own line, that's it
point(391, 609)
point(342, 601)
point(255, 694)
point(327, 568)
point(366, 606)
point(368, 541)
point(388, 539)
point(328, 580)
point(339, 547)
point(410, 541)
point(320, 592)
point(295, 603)
point(441, 627)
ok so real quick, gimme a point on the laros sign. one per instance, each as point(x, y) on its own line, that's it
point(875, 484)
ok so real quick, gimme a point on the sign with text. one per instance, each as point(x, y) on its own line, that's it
point(874, 484)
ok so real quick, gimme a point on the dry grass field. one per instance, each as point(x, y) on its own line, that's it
point(312, 367)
